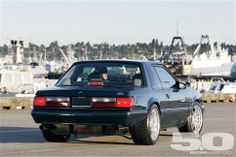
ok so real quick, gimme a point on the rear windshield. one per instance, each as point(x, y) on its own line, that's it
point(108, 73)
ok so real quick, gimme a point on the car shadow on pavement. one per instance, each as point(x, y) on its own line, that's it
point(100, 139)
point(130, 142)
point(20, 135)
point(34, 135)
point(103, 142)
point(83, 139)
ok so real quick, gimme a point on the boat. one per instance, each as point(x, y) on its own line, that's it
point(176, 58)
point(14, 77)
point(15, 73)
point(215, 61)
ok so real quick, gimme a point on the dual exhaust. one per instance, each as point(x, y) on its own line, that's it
point(63, 129)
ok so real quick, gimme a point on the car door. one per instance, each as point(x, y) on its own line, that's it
point(176, 102)
point(157, 90)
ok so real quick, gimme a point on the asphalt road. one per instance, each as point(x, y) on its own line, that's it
point(20, 136)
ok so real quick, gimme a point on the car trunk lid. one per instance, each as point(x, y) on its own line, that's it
point(90, 91)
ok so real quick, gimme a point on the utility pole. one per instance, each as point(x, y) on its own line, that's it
point(45, 57)
point(86, 53)
point(13, 48)
point(154, 46)
point(18, 47)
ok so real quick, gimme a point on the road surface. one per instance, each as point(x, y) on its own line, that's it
point(20, 136)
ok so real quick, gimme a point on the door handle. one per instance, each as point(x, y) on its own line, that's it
point(168, 96)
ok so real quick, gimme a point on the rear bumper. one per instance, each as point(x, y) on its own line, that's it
point(88, 117)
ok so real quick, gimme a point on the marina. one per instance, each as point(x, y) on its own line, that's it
point(25, 75)
point(209, 70)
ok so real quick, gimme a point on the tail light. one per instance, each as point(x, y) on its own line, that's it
point(125, 102)
point(40, 101)
point(112, 102)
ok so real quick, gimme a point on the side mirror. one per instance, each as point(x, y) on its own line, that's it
point(181, 85)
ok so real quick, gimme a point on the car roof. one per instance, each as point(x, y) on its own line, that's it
point(120, 60)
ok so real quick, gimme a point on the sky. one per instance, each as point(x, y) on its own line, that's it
point(116, 22)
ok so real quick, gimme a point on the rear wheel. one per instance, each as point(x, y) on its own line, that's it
point(194, 122)
point(51, 137)
point(148, 131)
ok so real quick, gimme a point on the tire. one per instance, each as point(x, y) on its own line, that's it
point(51, 137)
point(194, 121)
point(148, 131)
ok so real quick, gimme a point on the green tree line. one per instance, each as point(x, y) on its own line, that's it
point(105, 50)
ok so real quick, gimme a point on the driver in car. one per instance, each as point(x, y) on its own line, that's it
point(99, 73)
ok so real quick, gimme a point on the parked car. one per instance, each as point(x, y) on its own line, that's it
point(222, 87)
point(137, 98)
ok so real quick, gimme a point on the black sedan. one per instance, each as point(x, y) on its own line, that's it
point(137, 98)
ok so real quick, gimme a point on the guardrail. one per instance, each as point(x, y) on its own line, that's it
point(7, 103)
point(219, 97)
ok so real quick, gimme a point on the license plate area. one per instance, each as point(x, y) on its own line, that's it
point(81, 102)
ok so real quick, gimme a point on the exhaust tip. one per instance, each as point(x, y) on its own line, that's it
point(41, 127)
